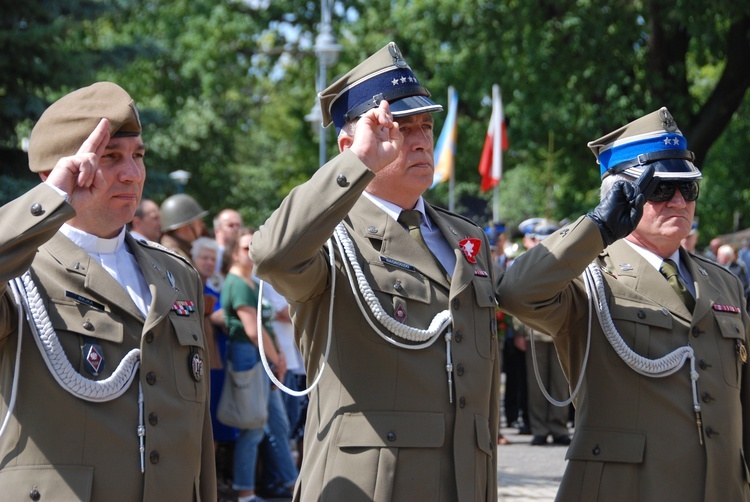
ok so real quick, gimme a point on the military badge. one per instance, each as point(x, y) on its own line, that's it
point(481, 273)
point(93, 358)
point(470, 248)
point(400, 314)
point(183, 307)
point(195, 361)
point(726, 308)
point(742, 351)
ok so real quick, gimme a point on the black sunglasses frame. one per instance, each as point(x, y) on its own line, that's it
point(665, 190)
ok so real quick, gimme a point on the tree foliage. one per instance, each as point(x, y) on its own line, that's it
point(224, 86)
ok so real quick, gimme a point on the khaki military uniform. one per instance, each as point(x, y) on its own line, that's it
point(60, 447)
point(636, 437)
point(380, 424)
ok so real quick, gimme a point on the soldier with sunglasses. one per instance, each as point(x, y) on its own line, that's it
point(652, 339)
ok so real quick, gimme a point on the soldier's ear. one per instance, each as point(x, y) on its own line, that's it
point(345, 141)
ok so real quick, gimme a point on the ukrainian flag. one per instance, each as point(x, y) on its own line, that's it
point(445, 150)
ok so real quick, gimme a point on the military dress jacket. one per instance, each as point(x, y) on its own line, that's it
point(381, 425)
point(60, 447)
point(636, 436)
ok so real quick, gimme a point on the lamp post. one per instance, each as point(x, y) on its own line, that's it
point(327, 52)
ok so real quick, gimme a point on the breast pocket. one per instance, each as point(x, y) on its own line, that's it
point(190, 367)
point(637, 323)
point(731, 344)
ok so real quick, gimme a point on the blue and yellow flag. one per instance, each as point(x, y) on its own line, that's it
point(445, 150)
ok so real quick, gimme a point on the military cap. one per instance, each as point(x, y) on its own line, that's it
point(653, 139)
point(383, 76)
point(65, 125)
point(179, 210)
point(538, 228)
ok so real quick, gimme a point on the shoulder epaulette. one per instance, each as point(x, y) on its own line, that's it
point(155, 245)
point(450, 213)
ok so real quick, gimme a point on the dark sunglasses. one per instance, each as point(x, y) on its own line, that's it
point(665, 190)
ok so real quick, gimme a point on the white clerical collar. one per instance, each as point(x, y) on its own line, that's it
point(394, 210)
point(654, 259)
point(91, 243)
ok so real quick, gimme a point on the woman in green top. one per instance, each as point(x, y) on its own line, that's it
point(239, 298)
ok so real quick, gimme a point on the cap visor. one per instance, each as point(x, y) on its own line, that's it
point(669, 169)
point(412, 105)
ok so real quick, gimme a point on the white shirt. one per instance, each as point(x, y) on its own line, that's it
point(431, 234)
point(117, 259)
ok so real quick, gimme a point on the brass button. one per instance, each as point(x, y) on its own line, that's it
point(36, 209)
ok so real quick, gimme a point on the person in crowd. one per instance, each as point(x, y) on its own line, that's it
point(655, 336)
point(690, 242)
point(713, 248)
point(181, 223)
point(407, 405)
point(108, 398)
point(239, 300)
point(545, 419)
point(226, 227)
point(726, 256)
point(146, 222)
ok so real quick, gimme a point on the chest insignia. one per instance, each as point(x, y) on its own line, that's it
point(195, 362)
point(481, 273)
point(93, 358)
point(726, 308)
point(183, 307)
point(470, 248)
point(396, 263)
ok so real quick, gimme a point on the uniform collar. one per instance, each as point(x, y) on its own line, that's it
point(91, 243)
point(394, 210)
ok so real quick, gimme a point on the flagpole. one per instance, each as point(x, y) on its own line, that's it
point(497, 152)
point(452, 179)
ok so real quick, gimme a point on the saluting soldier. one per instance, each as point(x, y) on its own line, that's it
point(104, 373)
point(407, 406)
point(655, 335)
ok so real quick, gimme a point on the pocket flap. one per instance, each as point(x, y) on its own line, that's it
point(59, 482)
point(607, 446)
point(484, 292)
point(484, 442)
point(641, 314)
point(73, 317)
point(189, 330)
point(392, 430)
point(730, 326)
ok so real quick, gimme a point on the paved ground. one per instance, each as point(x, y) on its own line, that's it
point(528, 473)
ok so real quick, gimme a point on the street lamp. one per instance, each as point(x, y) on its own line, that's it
point(327, 52)
point(181, 178)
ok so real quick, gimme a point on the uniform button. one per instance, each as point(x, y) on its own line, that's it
point(461, 402)
point(596, 450)
point(710, 432)
point(88, 326)
point(641, 314)
point(35, 495)
point(398, 286)
point(149, 337)
point(150, 378)
point(36, 210)
point(706, 397)
point(459, 336)
point(456, 304)
point(460, 369)
point(703, 365)
point(342, 181)
point(391, 436)
point(195, 337)
point(153, 418)
point(154, 457)
point(696, 332)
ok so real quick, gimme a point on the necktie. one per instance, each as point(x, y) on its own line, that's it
point(411, 219)
point(669, 270)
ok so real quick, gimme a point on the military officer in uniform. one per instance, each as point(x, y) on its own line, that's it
point(663, 409)
point(407, 405)
point(104, 372)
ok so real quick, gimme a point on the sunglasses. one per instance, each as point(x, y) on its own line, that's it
point(665, 190)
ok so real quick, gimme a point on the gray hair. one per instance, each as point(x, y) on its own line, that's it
point(202, 243)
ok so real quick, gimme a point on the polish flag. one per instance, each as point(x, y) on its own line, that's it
point(491, 163)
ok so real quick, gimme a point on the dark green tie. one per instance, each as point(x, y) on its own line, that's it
point(669, 270)
point(411, 218)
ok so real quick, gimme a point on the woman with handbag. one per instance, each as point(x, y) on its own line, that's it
point(239, 298)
